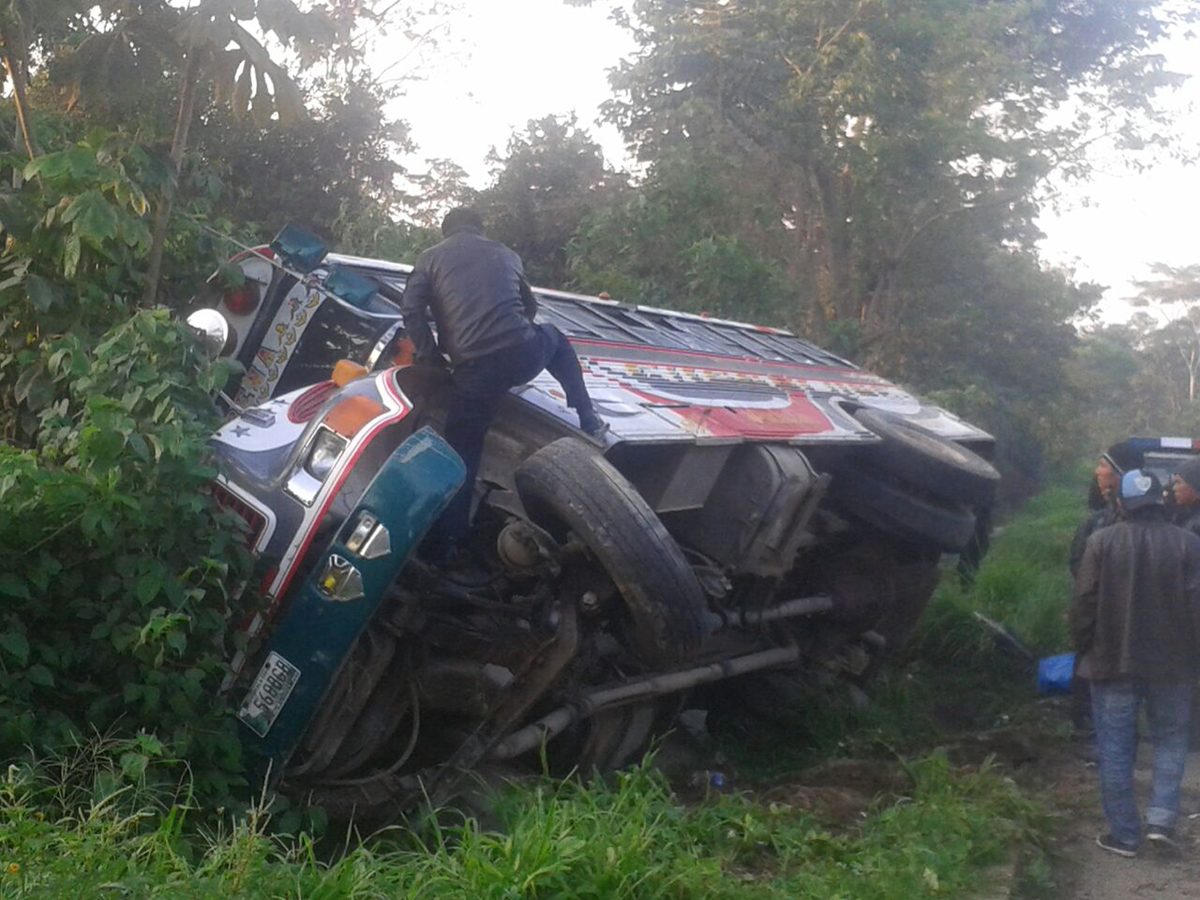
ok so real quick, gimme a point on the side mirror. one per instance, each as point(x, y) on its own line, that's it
point(213, 330)
point(355, 289)
point(298, 249)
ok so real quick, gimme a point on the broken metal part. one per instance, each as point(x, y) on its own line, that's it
point(801, 606)
point(386, 793)
point(589, 603)
point(594, 701)
point(392, 702)
point(526, 690)
point(462, 686)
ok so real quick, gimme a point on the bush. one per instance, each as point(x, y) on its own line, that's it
point(118, 569)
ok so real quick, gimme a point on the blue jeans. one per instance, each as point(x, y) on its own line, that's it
point(1115, 714)
point(478, 387)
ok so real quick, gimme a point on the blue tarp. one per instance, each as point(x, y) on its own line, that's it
point(1054, 674)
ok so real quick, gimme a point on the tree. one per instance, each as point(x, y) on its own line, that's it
point(867, 124)
point(685, 239)
point(435, 192)
point(22, 24)
point(1175, 293)
point(211, 45)
point(217, 48)
point(551, 177)
point(319, 173)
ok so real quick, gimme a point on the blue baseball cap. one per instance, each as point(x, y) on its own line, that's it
point(1139, 488)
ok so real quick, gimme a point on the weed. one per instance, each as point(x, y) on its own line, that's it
point(630, 839)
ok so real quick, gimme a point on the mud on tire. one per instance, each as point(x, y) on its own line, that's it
point(567, 483)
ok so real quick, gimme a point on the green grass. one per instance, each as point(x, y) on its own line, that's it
point(1025, 583)
point(629, 840)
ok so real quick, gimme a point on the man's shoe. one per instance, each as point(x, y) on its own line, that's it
point(591, 423)
point(1112, 845)
point(1161, 837)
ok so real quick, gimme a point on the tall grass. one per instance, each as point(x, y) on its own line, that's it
point(628, 840)
point(1023, 584)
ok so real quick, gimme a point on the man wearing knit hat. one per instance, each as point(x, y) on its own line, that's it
point(1136, 624)
point(1102, 500)
point(1185, 490)
point(1185, 486)
point(1113, 463)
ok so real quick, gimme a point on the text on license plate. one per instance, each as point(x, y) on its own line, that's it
point(270, 691)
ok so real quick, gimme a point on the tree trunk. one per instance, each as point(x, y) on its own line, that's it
point(880, 314)
point(183, 122)
point(14, 53)
point(835, 241)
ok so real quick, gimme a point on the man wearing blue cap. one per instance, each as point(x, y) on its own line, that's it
point(1136, 623)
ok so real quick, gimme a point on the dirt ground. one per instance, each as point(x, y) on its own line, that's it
point(1083, 870)
point(1046, 766)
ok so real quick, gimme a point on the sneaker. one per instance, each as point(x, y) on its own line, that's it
point(1161, 837)
point(1112, 845)
point(591, 423)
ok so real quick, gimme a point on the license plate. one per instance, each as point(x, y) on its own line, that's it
point(270, 691)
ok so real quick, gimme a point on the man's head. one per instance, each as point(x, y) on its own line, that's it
point(1139, 490)
point(461, 218)
point(1114, 463)
point(1185, 483)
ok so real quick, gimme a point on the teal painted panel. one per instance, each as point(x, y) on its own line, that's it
point(316, 633)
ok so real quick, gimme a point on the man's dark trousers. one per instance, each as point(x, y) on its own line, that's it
point(478, 386)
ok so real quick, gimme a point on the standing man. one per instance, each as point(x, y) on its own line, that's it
point(1185, 490)
point(1102, 501)
point(1136, 624)
point(1185, 487)
point(483, 310)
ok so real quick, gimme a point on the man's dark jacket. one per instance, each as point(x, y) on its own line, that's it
point(1136, 612)
point(1188, 518)
point(477, 291)
point(1097, 519)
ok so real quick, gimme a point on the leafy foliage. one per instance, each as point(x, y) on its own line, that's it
point(119, 570)
point(685, 240)
point(320, 173)
point(864, 125)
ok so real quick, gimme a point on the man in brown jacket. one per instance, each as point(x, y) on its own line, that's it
point(1136, 623)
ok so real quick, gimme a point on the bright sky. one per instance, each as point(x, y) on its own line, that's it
point(1113, 228)
point(508, 62)
point(505, 62)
